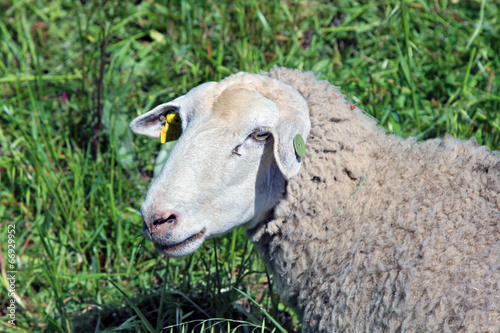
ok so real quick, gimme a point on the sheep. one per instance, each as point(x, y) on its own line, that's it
point(366, 232)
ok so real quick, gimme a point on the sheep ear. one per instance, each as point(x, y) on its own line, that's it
point(287, 157)
point(293, 119)
point(152, 122)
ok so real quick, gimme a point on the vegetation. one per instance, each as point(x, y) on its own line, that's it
point(74, 73)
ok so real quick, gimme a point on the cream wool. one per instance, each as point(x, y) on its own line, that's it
point(416, 248)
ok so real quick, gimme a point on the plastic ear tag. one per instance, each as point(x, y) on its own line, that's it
point(172, 130)
point(299, 145)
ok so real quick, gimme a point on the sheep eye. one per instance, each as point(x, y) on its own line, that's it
point(260, 135)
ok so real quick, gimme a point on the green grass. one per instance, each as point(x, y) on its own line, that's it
point(73, 185)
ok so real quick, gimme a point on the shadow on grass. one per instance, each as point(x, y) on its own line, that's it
point(179, 312)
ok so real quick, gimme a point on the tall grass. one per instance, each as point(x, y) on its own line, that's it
point(73, 74)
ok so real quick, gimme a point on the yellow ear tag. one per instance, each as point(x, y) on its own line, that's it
point(172, 130)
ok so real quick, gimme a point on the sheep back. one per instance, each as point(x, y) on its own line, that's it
point(381, 234)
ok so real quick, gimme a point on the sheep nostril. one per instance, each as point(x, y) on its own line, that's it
point(170, 219)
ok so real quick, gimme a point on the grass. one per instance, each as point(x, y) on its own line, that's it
point(73, 74)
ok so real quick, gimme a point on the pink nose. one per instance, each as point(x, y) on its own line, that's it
point(160, 225)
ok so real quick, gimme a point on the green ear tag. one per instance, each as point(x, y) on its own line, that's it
point(299, 145)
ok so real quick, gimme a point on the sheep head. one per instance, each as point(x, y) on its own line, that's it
point(229, 166)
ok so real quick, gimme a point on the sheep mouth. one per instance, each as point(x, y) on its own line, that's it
point(179, 249)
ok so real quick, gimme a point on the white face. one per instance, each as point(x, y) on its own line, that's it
point(222, 173)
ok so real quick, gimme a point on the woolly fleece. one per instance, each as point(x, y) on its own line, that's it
point(416, 248)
